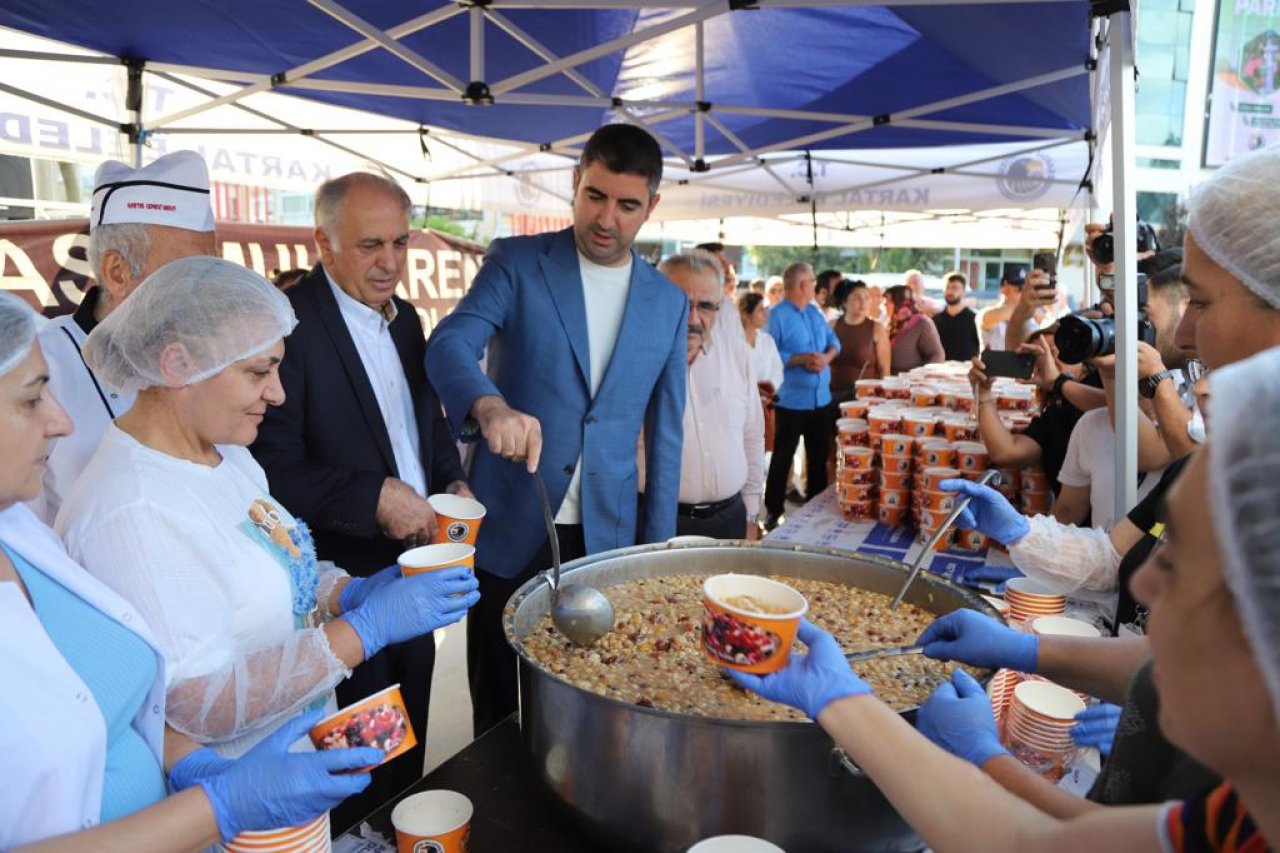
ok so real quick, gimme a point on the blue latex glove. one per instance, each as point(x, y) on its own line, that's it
point(196, 765)
point(358, 590)
point(988, 512)
point(811, 681)
point(958, 718)
point(410, 607)
point(270, 788)
point(989, 574)
point(969, 637)
point(1096, 726)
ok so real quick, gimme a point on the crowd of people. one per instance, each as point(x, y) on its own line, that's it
point(208, 478)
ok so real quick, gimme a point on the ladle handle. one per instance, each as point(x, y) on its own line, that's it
point(551, 530)
point(991, 476)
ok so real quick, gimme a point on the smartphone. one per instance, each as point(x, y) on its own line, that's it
point(1015, 365)
point(1047, 261)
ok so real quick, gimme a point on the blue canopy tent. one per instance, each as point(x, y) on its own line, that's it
point(775, 100)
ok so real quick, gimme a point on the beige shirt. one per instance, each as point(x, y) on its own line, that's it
point(723, 451)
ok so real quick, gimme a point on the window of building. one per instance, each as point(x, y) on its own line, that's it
point(1164, 54)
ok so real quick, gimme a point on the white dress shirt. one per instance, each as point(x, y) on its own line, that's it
point(723, 452)
point(604, 292)
point(371, 332)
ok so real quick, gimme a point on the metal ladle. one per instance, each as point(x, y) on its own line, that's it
point(580, 612)
point(989, 477)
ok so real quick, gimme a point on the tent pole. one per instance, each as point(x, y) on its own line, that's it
point(133, 104)
point(1120, 48)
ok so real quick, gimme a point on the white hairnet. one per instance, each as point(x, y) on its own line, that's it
point(206, 313)
point(1233, 218)
point(17, 331)
point(1244, 485)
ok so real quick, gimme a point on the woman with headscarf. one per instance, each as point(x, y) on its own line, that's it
point(1213, 591)
point(913, 339)
point(174, 515)
point(82, 710)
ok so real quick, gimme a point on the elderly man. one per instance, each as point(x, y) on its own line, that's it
point(140, 220)
point(360, 441)
point(722, 463)
point(914, 281)
point(588, 349)
point(807, 346)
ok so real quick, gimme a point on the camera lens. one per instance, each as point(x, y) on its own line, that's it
point(1104, 248)
point(1078, 338)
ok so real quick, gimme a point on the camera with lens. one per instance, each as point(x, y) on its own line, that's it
point(1104, 245)
point(1078, 338)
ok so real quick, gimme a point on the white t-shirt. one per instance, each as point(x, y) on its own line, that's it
point(188, 546)
point(1090, 461)
point(604, 290)
point(766, 360)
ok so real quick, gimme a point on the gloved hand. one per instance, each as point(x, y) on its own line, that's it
point(958, 718)
point(811, 681)
point(1096, 726)
point(412, 606)
point(990, 574)
point(969, 637)
point(194, 766)
point(358, 590)
point(271, 788)
point(988, 512)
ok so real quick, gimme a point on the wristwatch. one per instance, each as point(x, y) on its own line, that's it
point(1147, 387)
point(1062, 380)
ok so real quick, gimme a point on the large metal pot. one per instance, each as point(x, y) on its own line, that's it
point(657, 781)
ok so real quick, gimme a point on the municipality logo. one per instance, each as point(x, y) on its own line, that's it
point(1026, 177)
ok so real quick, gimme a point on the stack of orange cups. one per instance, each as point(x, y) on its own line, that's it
point(1028, 599)
point(896, 467)
point(312, 837)
point(856, 482)
point(851, 431)
point(1037, 726)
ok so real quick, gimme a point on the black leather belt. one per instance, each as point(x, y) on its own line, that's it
point(705, 510)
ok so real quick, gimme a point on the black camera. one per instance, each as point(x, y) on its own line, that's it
point(1078, 338)
point(1104, 245)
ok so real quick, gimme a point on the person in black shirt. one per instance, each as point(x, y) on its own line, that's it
point(957, 324)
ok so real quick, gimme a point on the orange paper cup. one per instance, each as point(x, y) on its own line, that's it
point(971, 456)
point(895, 481)
point(433, 822)
point(857, 493)
point(428, 558)
point(895, 444)
point(379, 720)
point(933, 477)
point(937, 501)
point(457, 518)
point(749, 622)
point(857, 476)
point(894, 516)
point(863, 510)
point(898, 464)
point(858, 458)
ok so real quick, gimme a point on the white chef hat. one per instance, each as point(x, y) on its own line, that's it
point(1244, 489)
point(17, 330)
point(1234, 216)
point(173, 191)
point(206, 313)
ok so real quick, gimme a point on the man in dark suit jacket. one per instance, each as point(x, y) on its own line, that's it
point(360, 440)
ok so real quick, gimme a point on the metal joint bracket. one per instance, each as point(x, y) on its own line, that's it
point(1091, 64)
point(1107, 8)
point(1090, 136)
point(477, 94)
point(683, 182)
point(279, 79)
point(882, 119)
point(804, 199)
point(544, 147)
point(741, 5)
point(940, 170)
point(306, 131)
point(700, 165)
point(839, 762)
point(480, 4)
point(704, 106)
point(617, 103)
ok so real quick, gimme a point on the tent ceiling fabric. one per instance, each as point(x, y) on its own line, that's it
point(836, 67)
point(988, 104)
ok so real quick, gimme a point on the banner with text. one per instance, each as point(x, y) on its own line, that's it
point(1244, 97)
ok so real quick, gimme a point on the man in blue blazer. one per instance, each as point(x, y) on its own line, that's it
point(586, 351)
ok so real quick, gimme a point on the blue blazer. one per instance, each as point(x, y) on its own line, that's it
point(527, 297)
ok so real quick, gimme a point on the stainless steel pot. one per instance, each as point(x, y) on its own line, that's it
point(652, 780)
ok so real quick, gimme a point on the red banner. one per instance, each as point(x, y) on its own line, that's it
point(46, 262)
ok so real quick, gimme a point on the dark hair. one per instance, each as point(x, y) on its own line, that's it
point(1160, 261)
point(956, 275)
point(841, 294)
point(625, 149)
point(827, 278)
point(899, 295)
point(749, 302)
point(710, 247)
point(286, 279)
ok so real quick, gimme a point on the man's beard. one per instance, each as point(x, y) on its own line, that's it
point(951, 301)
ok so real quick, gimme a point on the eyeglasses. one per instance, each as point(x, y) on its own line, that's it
point(707, 307)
